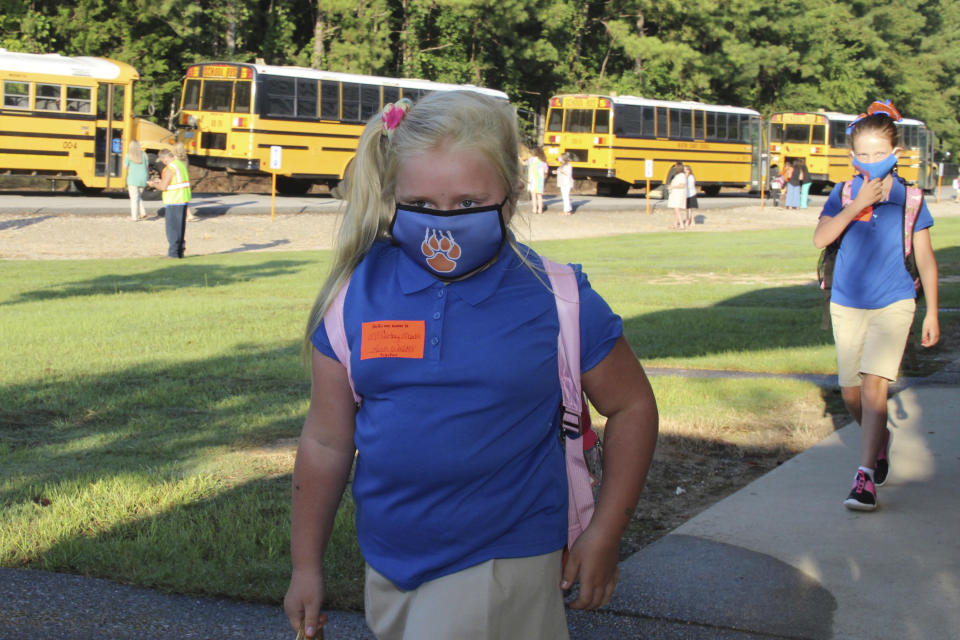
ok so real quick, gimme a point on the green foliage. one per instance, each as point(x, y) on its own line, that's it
point(766, 54)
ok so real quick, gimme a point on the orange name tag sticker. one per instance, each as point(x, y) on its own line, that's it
point(392, 339)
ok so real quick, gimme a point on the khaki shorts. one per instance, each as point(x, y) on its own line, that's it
point(870, 340)
point(502, 599)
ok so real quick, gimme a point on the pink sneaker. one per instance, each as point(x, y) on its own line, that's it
point(863, 495)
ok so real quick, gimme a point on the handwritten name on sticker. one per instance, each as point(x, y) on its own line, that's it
point(392, 339)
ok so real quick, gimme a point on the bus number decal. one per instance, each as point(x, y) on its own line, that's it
point(68, 144)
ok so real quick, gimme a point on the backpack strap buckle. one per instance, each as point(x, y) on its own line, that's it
point(571, 424)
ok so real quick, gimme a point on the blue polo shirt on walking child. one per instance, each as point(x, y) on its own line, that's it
point(869, 272)
point(459, 457)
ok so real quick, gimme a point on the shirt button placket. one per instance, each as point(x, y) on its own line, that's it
point(436, 323)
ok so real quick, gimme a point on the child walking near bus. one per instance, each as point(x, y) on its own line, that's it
point(873, 297)
point(459, 486)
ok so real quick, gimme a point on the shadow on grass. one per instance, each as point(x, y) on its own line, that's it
point(171, 276)
point(765, 319)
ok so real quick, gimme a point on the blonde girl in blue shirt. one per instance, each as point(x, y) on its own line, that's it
point(460, 485)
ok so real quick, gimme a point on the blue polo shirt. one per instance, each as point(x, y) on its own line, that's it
point(458, 452)
point(869, 272)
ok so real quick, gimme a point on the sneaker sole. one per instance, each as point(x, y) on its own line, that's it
point(856, 505)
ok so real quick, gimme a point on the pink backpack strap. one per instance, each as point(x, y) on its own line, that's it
point(566, 292)
point(910, 213)
point(846, 194)
point(333, 323)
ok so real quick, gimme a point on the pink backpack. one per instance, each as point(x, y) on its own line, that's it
point(581, 442)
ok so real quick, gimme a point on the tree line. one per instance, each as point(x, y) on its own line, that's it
point(769, 55)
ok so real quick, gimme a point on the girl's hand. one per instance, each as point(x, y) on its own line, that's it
point(594, 560)
point(303, 600)
point(930, 333)
point(870, 193)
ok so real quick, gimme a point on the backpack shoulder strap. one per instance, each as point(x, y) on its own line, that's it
point(563, 281)
point(580, 501)
point(911, 212)
point(333, 323)
point(846, 194)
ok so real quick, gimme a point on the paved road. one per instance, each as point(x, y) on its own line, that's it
point(37, 202)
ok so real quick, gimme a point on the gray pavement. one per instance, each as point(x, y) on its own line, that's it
point(779, 559)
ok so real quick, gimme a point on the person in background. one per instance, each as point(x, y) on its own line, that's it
point(776, 184)
point(873, 299)
point(459, 483)
point(565, 182)
point(792, 176)
point(180, 152)
point(136, 164)
point(691, 194)
point(537, 170)
point(805, 182)
point(677, 199)
point(174, 183)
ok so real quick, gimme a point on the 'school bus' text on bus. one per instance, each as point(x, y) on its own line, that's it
point(820, 139)
point(232, 114)
point(71, 119)
point(612, 140)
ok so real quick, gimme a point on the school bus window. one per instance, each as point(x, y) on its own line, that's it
point(118, 91)
point(16, 95)
point(601, 121)
point(241, 96)
point(78, 100)
point(556, 120)
point(48, 97)
point(351, 102)
point(281, 96)
point(819, 134)
point(191, 94)
point(663, 127)
point(329, 100)
point(698, 124)
point(217, 95)
point(391, 94)
point(579, 120)
point(649, 126)
point(306, 98)
point(626, 121)
point(797, 133)
point(369, 101)
point(711, 125)
point(838, 134)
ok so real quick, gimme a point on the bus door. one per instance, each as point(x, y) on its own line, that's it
point(108, 145)
point(759, 156)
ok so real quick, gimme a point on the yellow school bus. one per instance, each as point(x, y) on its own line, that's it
point(71, 119)
point(820, 139)
point(624, 141)
point(302, 124)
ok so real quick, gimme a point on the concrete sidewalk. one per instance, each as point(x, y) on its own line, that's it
point(782, 558)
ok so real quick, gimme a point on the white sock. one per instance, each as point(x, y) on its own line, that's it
point(867, 471)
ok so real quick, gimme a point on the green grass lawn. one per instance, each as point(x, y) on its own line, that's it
point(149, 408)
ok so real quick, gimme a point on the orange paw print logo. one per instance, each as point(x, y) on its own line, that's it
point(441, 251)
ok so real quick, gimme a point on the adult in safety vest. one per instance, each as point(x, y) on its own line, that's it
point(174, 184)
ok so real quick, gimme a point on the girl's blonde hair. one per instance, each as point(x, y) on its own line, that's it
point(451, 120)
point(135, 152)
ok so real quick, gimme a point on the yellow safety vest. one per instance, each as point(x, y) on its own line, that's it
point(178, 191)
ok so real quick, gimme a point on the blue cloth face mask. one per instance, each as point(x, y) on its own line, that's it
point(450, 245)
point(878, 169)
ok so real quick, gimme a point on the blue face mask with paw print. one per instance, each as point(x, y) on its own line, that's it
point(450, 245)
point(878, 169)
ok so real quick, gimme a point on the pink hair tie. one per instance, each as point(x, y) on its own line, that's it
point(392, 114)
